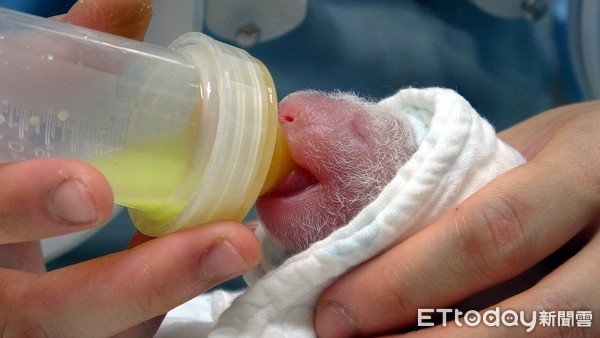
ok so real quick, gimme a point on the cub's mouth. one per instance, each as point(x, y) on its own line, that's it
point(298, 181)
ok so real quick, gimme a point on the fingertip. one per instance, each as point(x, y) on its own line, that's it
point(246, 243)
point(84, 196)
point(228, 249)
point(221, 262)
point(240, 236)
point(127, 18)
point(192, 261)
point(47, 197)
point(332, 320)
point(72, 203)
point(221, 250)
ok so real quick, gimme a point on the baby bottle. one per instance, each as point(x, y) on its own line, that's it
point(184, 135)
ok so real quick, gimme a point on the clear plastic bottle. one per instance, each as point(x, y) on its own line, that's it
point(185, 134)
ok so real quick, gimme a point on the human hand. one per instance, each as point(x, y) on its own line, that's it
point(112, 294)
point(516, 221)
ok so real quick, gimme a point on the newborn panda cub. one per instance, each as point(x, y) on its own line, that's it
point(346, 149)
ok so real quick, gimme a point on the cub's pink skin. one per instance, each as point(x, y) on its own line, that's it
point(346, 149)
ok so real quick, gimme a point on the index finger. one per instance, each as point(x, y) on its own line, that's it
point(115, 292)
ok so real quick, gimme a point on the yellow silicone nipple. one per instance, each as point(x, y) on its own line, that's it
point(281, 164)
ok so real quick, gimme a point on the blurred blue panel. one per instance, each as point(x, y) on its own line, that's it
point(39, 7)
point(508, 69)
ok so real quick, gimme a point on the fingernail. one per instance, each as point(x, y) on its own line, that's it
point(332, 322)
point(71, 203)
point(222, 261)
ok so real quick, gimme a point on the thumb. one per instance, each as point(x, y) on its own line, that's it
point(127, 18)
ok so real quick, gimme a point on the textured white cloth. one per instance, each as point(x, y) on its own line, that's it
point(458, 153)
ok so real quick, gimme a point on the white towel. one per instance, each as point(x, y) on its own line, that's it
point(458, 153)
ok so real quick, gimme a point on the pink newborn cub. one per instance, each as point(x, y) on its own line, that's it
point(346, 149)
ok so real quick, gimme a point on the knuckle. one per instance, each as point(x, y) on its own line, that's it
point(27, 324)
point(394, 299)
point(584, 175)
point(155, 298)
point(150, 295)
point(402, 299)
point(495, 236)
point(39, 321)
point(554, 303)
point(566, 332)
point(583, 139)
point(502, 220)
